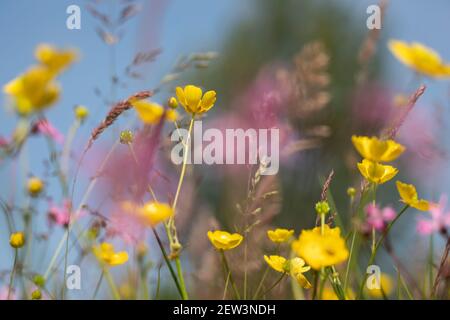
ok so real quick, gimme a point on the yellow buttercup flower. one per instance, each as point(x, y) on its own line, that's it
point(280, 235)
point(194, 101)
point(153, 213)
point(420, 58)
point(376, 172)
point(277, 263)
point(35, 186)
point(33, 91)
point(17, 240)
point(409, 196)
point(151, 113)
point(55, 60)
point(385, 286)
point(321, 250)
point(105, 254)
point(377, 150)
point(223, 240)
point(297, 269)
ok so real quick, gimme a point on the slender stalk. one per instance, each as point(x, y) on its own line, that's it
point(97, 287)
point(111, 283)
point(228, 271)
point(226, 287)
point(258, 289)
point(166, 259)
point(274, 285)
point(13, 273)
point(315, 284)
point(377, 245)
point(441, 265)
point(174, 205)
point(347, 269)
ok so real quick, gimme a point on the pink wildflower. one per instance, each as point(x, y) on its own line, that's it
point(47, 129)
point(439, 221)
point(378, 218)
point(61, 215)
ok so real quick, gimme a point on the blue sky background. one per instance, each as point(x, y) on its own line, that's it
point(182, 27)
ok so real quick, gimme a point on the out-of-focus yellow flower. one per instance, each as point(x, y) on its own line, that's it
point(280, 235)
point(81, 112)
point(35, 186)
point(329, 294)
point(409, 196)
point(152, 213)
point(376, 172)
point(321, 250)
point(105, 254)
point(386, 285)
point(33, 91)
point(277, 263)
point(223, 240)
point(17, 240)
point(151, 113)
point(420, 58)
point(371, 148)
point(55, 60)
point(297, 269)
point(194, 101)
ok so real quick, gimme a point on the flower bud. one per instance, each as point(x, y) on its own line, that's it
point(351, 192)
point(35, 186)
point(17, 240)
point(126, 137)
point(39, 280)
point(173, 103)
point(36, 295)
point(81, 112)
point(322, 207)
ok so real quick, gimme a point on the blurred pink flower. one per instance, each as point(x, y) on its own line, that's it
point(372, 108)
point(44, 127)
point(4, 294)
point(379, 218)
point(439, 221)
point(3, 142)
point(61, 215)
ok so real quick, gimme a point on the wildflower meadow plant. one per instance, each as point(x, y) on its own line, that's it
point(95, 196)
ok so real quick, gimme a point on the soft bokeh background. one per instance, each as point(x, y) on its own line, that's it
point(249, 36)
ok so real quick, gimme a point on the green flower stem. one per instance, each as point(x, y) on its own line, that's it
point(258, 289)
point(274, 285)
point(13, 273)
point(377, 245)
point(315, 284)
point(169, 265)
point(261, 282)
point(97, 287)
point(228, 273)
point(111, 283)
point(170, 226)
